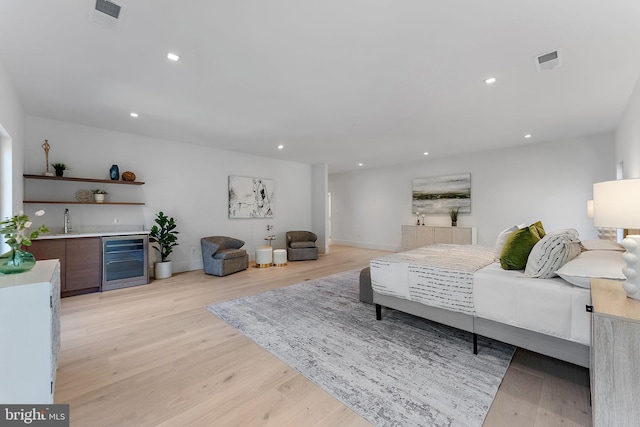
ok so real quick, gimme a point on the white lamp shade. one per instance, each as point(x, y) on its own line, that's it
point(617, 203)
point(589, 208)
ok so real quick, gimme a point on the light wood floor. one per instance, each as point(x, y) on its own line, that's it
point(152, 355)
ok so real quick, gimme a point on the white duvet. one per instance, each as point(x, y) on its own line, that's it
point(549, 306)
point(465, 279)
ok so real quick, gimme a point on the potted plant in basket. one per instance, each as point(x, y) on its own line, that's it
point(453, 213)
point(166, 237)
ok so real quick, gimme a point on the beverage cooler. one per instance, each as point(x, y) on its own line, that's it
point(124, 261)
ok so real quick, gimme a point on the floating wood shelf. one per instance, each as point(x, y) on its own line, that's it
point(64, 178)
point(72, 179)
point(58, 202)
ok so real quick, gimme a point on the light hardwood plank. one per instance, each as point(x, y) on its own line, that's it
point(152, 355)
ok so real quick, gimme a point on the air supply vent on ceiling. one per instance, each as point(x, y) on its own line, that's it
point(111, 9)
point(107, 14)
point(548, 61)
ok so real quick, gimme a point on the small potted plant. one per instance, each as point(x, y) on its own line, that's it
point(60, 168)
point(165, 235)
point(453, 213)
point(98, 195)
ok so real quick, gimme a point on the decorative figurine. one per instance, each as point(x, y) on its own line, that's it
point(46, 148)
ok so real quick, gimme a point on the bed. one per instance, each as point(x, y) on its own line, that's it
point(465, 287)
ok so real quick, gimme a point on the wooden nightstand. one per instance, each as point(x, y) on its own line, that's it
point(615, 355)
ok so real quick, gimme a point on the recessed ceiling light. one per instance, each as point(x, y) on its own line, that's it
point(280, 147)
point(134, 114)
point(426, 153)
point(360, 164)
point(528, 136)
point(173, 56)
point(490, 80)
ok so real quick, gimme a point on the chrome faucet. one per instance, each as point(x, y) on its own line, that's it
point(67, 221)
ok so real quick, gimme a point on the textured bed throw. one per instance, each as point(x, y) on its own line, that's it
point(400, 371)
point(436, 275)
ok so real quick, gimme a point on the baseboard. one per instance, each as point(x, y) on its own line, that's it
point(187, 266)
point(365, 245)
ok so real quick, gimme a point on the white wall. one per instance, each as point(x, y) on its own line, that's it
point(628, 136)
point(188, 182)
point(11, 142)
point(319, 204)
point(550, 182)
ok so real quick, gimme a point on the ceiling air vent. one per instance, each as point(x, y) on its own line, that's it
point(548, 61)
point(107, 14)
point(111, 9)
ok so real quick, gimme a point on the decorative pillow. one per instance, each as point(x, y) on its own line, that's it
point(552, 251)
point(602, 245)
point(518, 246)
point(502, 237)
point(593, 264)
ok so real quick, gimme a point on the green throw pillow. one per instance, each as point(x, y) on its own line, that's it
point(518, 246)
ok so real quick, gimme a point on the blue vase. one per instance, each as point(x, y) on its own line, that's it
point(114, 172)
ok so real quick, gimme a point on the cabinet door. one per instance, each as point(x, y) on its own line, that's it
point(461, 235)
point(442, 234)
point(408, 237)
point(83, 263)
point(424, 236)
point(50, 249)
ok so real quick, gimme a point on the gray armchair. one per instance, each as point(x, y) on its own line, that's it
point(301, 245)
point(222, 255)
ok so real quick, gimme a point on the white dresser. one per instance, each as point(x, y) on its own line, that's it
point(30, 334)
point(416, 236)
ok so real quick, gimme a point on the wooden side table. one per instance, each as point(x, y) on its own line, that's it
point(615, 355)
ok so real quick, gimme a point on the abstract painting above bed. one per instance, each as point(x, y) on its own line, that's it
point(440, 194)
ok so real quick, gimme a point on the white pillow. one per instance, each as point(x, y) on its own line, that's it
point(593, 264)
point(602, 245)
point(551, 252)
point(502, 237)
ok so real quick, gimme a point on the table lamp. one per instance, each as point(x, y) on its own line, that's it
point(617, 204)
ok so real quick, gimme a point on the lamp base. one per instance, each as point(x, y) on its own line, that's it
point(632, 256)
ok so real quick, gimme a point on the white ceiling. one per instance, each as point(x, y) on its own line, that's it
point(335, 81)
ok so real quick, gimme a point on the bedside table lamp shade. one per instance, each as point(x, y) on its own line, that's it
point(617, 204)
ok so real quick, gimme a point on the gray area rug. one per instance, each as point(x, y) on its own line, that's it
point(400, 371)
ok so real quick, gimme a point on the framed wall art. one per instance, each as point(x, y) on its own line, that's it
point(250, 197)
point(438, 195)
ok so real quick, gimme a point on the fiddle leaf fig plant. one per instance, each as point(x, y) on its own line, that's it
point(164, 234)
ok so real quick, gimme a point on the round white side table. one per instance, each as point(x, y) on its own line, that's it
point(264, 256)
point(279, 257)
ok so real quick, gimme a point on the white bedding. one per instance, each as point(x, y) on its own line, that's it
point(550, 306)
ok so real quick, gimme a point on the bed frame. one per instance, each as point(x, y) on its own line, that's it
point(569, 351)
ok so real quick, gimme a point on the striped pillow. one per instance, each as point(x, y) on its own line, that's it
point(552, 251)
